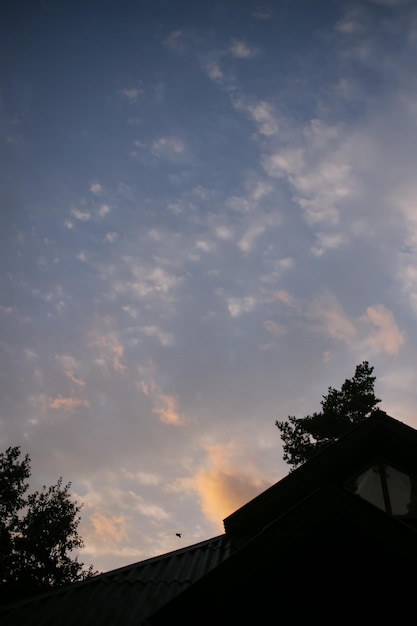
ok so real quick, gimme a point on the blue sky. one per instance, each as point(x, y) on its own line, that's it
point(208, 216)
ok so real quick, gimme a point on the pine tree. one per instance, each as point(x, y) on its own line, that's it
point(341, 409)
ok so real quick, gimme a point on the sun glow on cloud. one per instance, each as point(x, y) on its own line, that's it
point(167, 409)
point(67, 404)
point(109, 530)
point(213, 222)
point(224, 486)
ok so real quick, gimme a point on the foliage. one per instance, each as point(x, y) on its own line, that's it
point(38, 532)
point(341, 409)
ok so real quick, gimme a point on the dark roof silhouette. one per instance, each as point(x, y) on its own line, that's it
point(306, 545)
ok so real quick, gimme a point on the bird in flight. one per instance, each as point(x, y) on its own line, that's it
point(178, 535)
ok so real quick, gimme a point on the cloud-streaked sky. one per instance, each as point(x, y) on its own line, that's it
point(208, 216)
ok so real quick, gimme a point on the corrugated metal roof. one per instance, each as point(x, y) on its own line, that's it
point(125, 596)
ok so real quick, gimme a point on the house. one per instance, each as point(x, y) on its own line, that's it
point(333, 541)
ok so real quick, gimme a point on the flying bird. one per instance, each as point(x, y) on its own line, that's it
point(178, 535)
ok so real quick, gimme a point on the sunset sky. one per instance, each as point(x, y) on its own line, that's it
point(208, 216)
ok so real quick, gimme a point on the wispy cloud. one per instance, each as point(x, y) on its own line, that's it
point(82, 216)
point(167, 147)
point(247, 242)
point(67, 404)
point(145, 281)
point(388, 337)
point(319, 175)
point(275, 329)
point(327, 241)
point(131, 95)
point(238, 306)
point(262, 14)
point(96, 188)
point(241, 50)
point(166, 339)
point(110, 237)
point(175, 40)
point(262, 113)
point(351, 23)
point(70, 367)
point(214, 71)
point(109, 351)
point(166, 407)
point(327, 311)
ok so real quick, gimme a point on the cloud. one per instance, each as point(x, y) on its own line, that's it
point(131, 95)
point(110, 237)
point(166, 339)
point(261, 14)
point(145, 281)
point(167, 409)
point(103, 210)
point(109, 350)
point(214, 71)
point(96, 188)
point(240, 50)
point(260, 112)
point(108, 530)
point(167, 147)
point(328, 313)
point(83, 216)
point(70, 366)
point(238, 306)
point(165, 404)
point(283, 296)
point(224, 486)
point(388, 338)
point(143, 478)
point(246, 203)
point(247, 242)
point(274, 328)
point(224, 232)
point(350, 24)
point(327, 241)
point(175, 41)
point(317, 163)
point(66, 404)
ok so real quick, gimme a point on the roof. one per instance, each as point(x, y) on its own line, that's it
point(379, 435)
point(330, 550)
point(308, 517)
point(127, 595)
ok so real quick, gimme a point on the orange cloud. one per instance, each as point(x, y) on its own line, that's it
point(77, 381)
point(110, 350)
point(118, 350)
point(108, 530)
point(68, 404)
point(69, 366)
point(168, 412)
point(225, 486)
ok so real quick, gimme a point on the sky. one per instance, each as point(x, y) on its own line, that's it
point(208, 217)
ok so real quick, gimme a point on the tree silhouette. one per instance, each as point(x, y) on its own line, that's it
point(38, 532)
point(341, 409)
